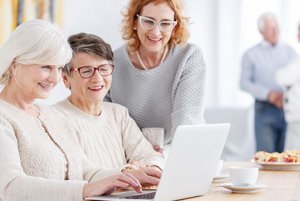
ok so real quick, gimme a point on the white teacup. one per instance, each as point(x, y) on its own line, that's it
point(154, 135)
point(219, 168)
point(243, 176)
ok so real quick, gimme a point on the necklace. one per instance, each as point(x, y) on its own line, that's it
point(161, 61)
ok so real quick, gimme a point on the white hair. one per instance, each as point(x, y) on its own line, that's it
point(34, 42)
point(261, 20)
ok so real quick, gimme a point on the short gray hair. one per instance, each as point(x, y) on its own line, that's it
point(34, 42)
point(262, 18)
point(89, 44)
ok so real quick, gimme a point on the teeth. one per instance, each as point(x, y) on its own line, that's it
point(46, 86)
point(97, 87)
point(154, 39)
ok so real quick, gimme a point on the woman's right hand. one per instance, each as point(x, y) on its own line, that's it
point(110, 184)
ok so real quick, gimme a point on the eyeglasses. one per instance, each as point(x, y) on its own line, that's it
point(89, 71)
point(149, 24)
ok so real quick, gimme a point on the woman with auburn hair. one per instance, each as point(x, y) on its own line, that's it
point(158, 75)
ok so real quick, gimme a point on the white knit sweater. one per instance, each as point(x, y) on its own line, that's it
point(169, 95)
point(41, 158)
point(112, 139)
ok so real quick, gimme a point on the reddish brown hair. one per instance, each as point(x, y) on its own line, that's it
point(180, 33)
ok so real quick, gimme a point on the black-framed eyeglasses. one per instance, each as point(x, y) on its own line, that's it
point(149, 24)
point(89, 71)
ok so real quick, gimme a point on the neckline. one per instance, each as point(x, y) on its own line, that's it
point(23, 111)
point(77, 110)
point(161, 61)
point(81, 108)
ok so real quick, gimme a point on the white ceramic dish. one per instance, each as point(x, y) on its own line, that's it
point(242, 188)
point(279, 166)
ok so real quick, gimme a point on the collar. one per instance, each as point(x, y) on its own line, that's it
point(265, 43)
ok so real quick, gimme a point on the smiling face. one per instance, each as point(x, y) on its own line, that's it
point(34, 81)
point(87, 90)
point(155, 40)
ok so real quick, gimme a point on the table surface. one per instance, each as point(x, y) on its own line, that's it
point(281, 186)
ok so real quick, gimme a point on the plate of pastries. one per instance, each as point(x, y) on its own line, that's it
point(287, 160)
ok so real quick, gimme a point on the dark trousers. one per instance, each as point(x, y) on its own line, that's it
point(270, 127)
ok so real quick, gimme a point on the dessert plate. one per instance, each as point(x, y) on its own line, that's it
point(279, 166)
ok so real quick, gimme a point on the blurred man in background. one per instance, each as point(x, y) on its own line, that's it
point(259, 65)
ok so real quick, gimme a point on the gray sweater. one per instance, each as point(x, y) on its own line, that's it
point(169, 95)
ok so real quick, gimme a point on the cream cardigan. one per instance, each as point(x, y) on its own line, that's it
point(112, 139)
point(40, 158)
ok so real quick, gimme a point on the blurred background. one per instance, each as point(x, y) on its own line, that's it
point(222, 29)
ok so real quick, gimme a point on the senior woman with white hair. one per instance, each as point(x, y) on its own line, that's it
point(40, 158)
point(107, 133)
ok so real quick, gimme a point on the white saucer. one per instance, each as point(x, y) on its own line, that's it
point(220, 177)
point(243, 189)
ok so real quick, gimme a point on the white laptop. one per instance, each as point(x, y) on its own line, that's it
point(190, 166)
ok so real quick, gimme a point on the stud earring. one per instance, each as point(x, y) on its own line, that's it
point(134, 28)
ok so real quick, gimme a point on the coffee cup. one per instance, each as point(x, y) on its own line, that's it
point(243, 176)
point(154, 135)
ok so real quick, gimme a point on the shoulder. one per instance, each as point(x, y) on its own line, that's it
point(54, 116)
point(121, 59)
point(4, 124)
point(61, 105)
point(284, 45)
point(120, 50)
point(292, 68)
point(253, 49)
point(252, 52)
point(114, 108)
point(6, 108)
point(115, 112)
point(187, 49)
point(287, 47)
point(55, 120)
point(51, 112)
point(11, 114)
point(188, 56)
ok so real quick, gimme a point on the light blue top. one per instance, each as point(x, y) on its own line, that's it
point(169, 95)
point(259, 66)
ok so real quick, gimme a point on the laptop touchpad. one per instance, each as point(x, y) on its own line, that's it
point(148, 194)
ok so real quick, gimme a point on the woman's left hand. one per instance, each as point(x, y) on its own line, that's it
point(146, 175)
